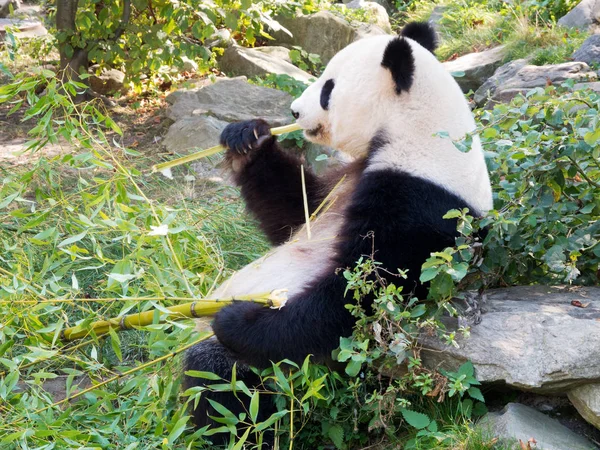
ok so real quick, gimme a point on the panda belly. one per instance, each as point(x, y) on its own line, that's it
point(291, 266)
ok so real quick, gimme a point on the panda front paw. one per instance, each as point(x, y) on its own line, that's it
point(241, 138)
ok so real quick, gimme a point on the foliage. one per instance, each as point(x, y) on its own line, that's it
point(83, 240)
point(544, 152)
point(309, 62)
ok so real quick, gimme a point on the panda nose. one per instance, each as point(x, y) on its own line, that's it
point(296, 114)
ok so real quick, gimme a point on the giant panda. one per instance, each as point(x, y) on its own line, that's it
point(387, 102)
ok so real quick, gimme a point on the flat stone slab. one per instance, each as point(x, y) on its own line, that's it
point(531, 338)
point(25, 28)
point(255, 63)
point(232, 100)
point(519, 422)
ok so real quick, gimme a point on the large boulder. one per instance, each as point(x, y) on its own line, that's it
point(231, 100)
point(589, 52)
point(586, 400)
point(323, 33)
point(201, 113)
point(476, 68)
point(585, 16)
point(517, 78)
point(375, 11)
point(252, 63)
point(106, 81)
point(531, 338)
point(6, 5)
point(518, 422)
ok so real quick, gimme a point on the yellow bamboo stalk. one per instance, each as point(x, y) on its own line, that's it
point(162, 167)
point(199, 308)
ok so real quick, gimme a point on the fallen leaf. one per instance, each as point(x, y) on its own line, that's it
point(157, 120)
point(524, 446)
point(578, 304)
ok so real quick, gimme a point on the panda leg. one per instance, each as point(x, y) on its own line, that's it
point(212, 356)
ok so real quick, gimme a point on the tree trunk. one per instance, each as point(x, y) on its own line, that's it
point(70, 66)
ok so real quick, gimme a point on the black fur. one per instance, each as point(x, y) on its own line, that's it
point(270, 180)
point(326, 94)
point(398, 58)
point(421, 32)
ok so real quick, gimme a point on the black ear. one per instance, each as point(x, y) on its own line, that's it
point(398, 58)
point(421, 32)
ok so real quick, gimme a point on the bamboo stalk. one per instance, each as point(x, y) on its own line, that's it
point(200, 308)
point(164, 167)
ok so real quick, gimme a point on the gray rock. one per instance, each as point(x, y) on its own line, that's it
point(589, 52)
point(5, 6)
point(477, 67)
point(585, 16)
point(519, 422)
point(189, 65)
point(594, 86)
point(252, 63)
point(322, 33)
point(387, 4)
point(586, 400)
point(517, 77)
point(193, 134)
point(108, 81)
point(27, 28)
point(276, 51)
point(232, 100)
point(221, 38)
point(376, 11)
point(530, 338)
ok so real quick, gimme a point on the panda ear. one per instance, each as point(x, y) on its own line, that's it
point(421, 32)
point(399, 59)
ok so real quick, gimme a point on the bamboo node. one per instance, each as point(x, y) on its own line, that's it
point(122, 323)
point(193, 309)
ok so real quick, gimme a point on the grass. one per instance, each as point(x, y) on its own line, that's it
point(473, 26)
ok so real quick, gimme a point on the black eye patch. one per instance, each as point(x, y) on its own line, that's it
point(326, 94)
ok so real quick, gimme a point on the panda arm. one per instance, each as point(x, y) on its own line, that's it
point(270, 179)
point(403, 215)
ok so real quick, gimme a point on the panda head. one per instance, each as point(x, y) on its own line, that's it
point(380, 82)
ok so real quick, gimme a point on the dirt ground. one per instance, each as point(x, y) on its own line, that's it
point(143, 122)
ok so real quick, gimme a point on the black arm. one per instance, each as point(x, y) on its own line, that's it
point(270, 179)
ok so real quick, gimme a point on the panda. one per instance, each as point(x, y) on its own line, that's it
point(385, 101)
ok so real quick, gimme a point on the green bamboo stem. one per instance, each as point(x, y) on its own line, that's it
point(214, 150)
point(199, 308)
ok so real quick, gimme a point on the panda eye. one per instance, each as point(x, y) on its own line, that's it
point(326, 94)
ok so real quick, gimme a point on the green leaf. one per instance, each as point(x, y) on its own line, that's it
point(476, 394)
point(415, 419)
point(336, 434)
point(254, 402)
point(115, 343)
point(353, 368)
point(205, 375)
point(466, 369)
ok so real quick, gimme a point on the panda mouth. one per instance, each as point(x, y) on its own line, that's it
point(315, 131)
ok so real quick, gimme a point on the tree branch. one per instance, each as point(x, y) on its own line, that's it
point(124, 19)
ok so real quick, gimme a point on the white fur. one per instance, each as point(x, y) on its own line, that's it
point(311, 258)
point(363, 102)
